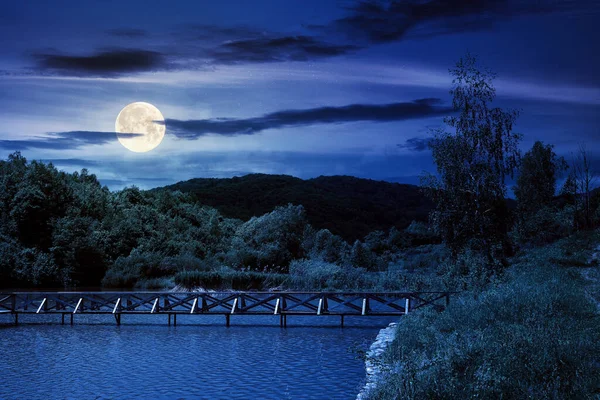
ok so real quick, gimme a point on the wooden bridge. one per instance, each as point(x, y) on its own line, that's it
point(171, 304)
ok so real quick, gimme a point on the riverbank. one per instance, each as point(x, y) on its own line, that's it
point(530, 334)
point(374, 363)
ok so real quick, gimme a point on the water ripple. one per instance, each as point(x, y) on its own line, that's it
point(198, 359)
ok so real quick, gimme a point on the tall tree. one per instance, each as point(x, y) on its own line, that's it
point(585, 180)
point(536, 184)
point(473, 160)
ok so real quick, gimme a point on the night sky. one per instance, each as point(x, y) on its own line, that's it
point(303, 88)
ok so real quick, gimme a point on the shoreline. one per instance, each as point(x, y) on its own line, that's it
point(373, 360)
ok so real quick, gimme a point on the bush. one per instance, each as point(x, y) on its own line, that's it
point(545, 226)
point(226, 278)
point(272, 239)
point(154, 284)
point(126, 271)
point(427, 257)
point(312, 274)
point(204, 279)
point(533, 337)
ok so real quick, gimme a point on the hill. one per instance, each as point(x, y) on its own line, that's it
point(347, 206)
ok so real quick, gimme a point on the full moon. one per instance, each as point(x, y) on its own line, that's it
point(143, 121)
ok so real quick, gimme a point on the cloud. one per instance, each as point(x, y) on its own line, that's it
point(127, 32)
point(63, 140)
point(215, 34)
point(416, 144)
point(275, 49)
point(421, 108)
point(263, 48)
point(105, 63)
point(392, 20)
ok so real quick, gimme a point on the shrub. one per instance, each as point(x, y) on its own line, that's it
point(204, 279)
point(312, 274)
point(126, 271)
point(427, 257)
point(229, 279)
point(545, 226)
point(272, 239)
point(154, 284)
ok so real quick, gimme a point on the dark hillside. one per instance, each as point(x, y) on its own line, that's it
point(347, 206)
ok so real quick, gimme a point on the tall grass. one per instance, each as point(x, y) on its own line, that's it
point(533, 336)
point(229, 279)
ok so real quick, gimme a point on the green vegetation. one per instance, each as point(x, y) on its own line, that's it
point(64, 230)
point(347, 206)
point(532, 334)
point(472, 160)
point(524, 326)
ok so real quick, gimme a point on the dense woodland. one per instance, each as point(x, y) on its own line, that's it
point(65, 230)
point(347, 206)
point(523, 327)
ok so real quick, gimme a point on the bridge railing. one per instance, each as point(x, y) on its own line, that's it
point(225, 303)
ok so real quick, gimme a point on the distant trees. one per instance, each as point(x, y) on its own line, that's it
point(539, 220)
point(584, 178)
point(536, 183)
point(472, 160)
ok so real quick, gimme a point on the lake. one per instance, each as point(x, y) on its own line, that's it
point(200, 358)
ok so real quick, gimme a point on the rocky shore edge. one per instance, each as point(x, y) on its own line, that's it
point(373, 360)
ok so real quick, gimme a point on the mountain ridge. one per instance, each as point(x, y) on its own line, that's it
point(348, 206)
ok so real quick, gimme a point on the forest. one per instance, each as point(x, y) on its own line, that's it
point(62, 230)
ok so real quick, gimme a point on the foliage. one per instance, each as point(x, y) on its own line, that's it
point(472, 162)
point(272, 240)
point(531, 336)
point(229, 279)
point(536, 183)
point(544, 226)
point(330, 202)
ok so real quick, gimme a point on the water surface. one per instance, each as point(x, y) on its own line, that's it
point(200, 358)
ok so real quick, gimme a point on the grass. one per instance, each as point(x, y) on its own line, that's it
point(534, 335)
point(229, 279)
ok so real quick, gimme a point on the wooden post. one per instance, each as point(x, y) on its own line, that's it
point(63, 319)
point(285, 321)
point(227, 320)
point(71, 319)
point(117, 318)
point(342, 320)
point(174, 319)
point(169, 319)
point(16, 319)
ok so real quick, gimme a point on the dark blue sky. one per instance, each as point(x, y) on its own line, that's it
point(304, 88)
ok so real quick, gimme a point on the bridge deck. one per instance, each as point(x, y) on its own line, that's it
point(221, 303)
